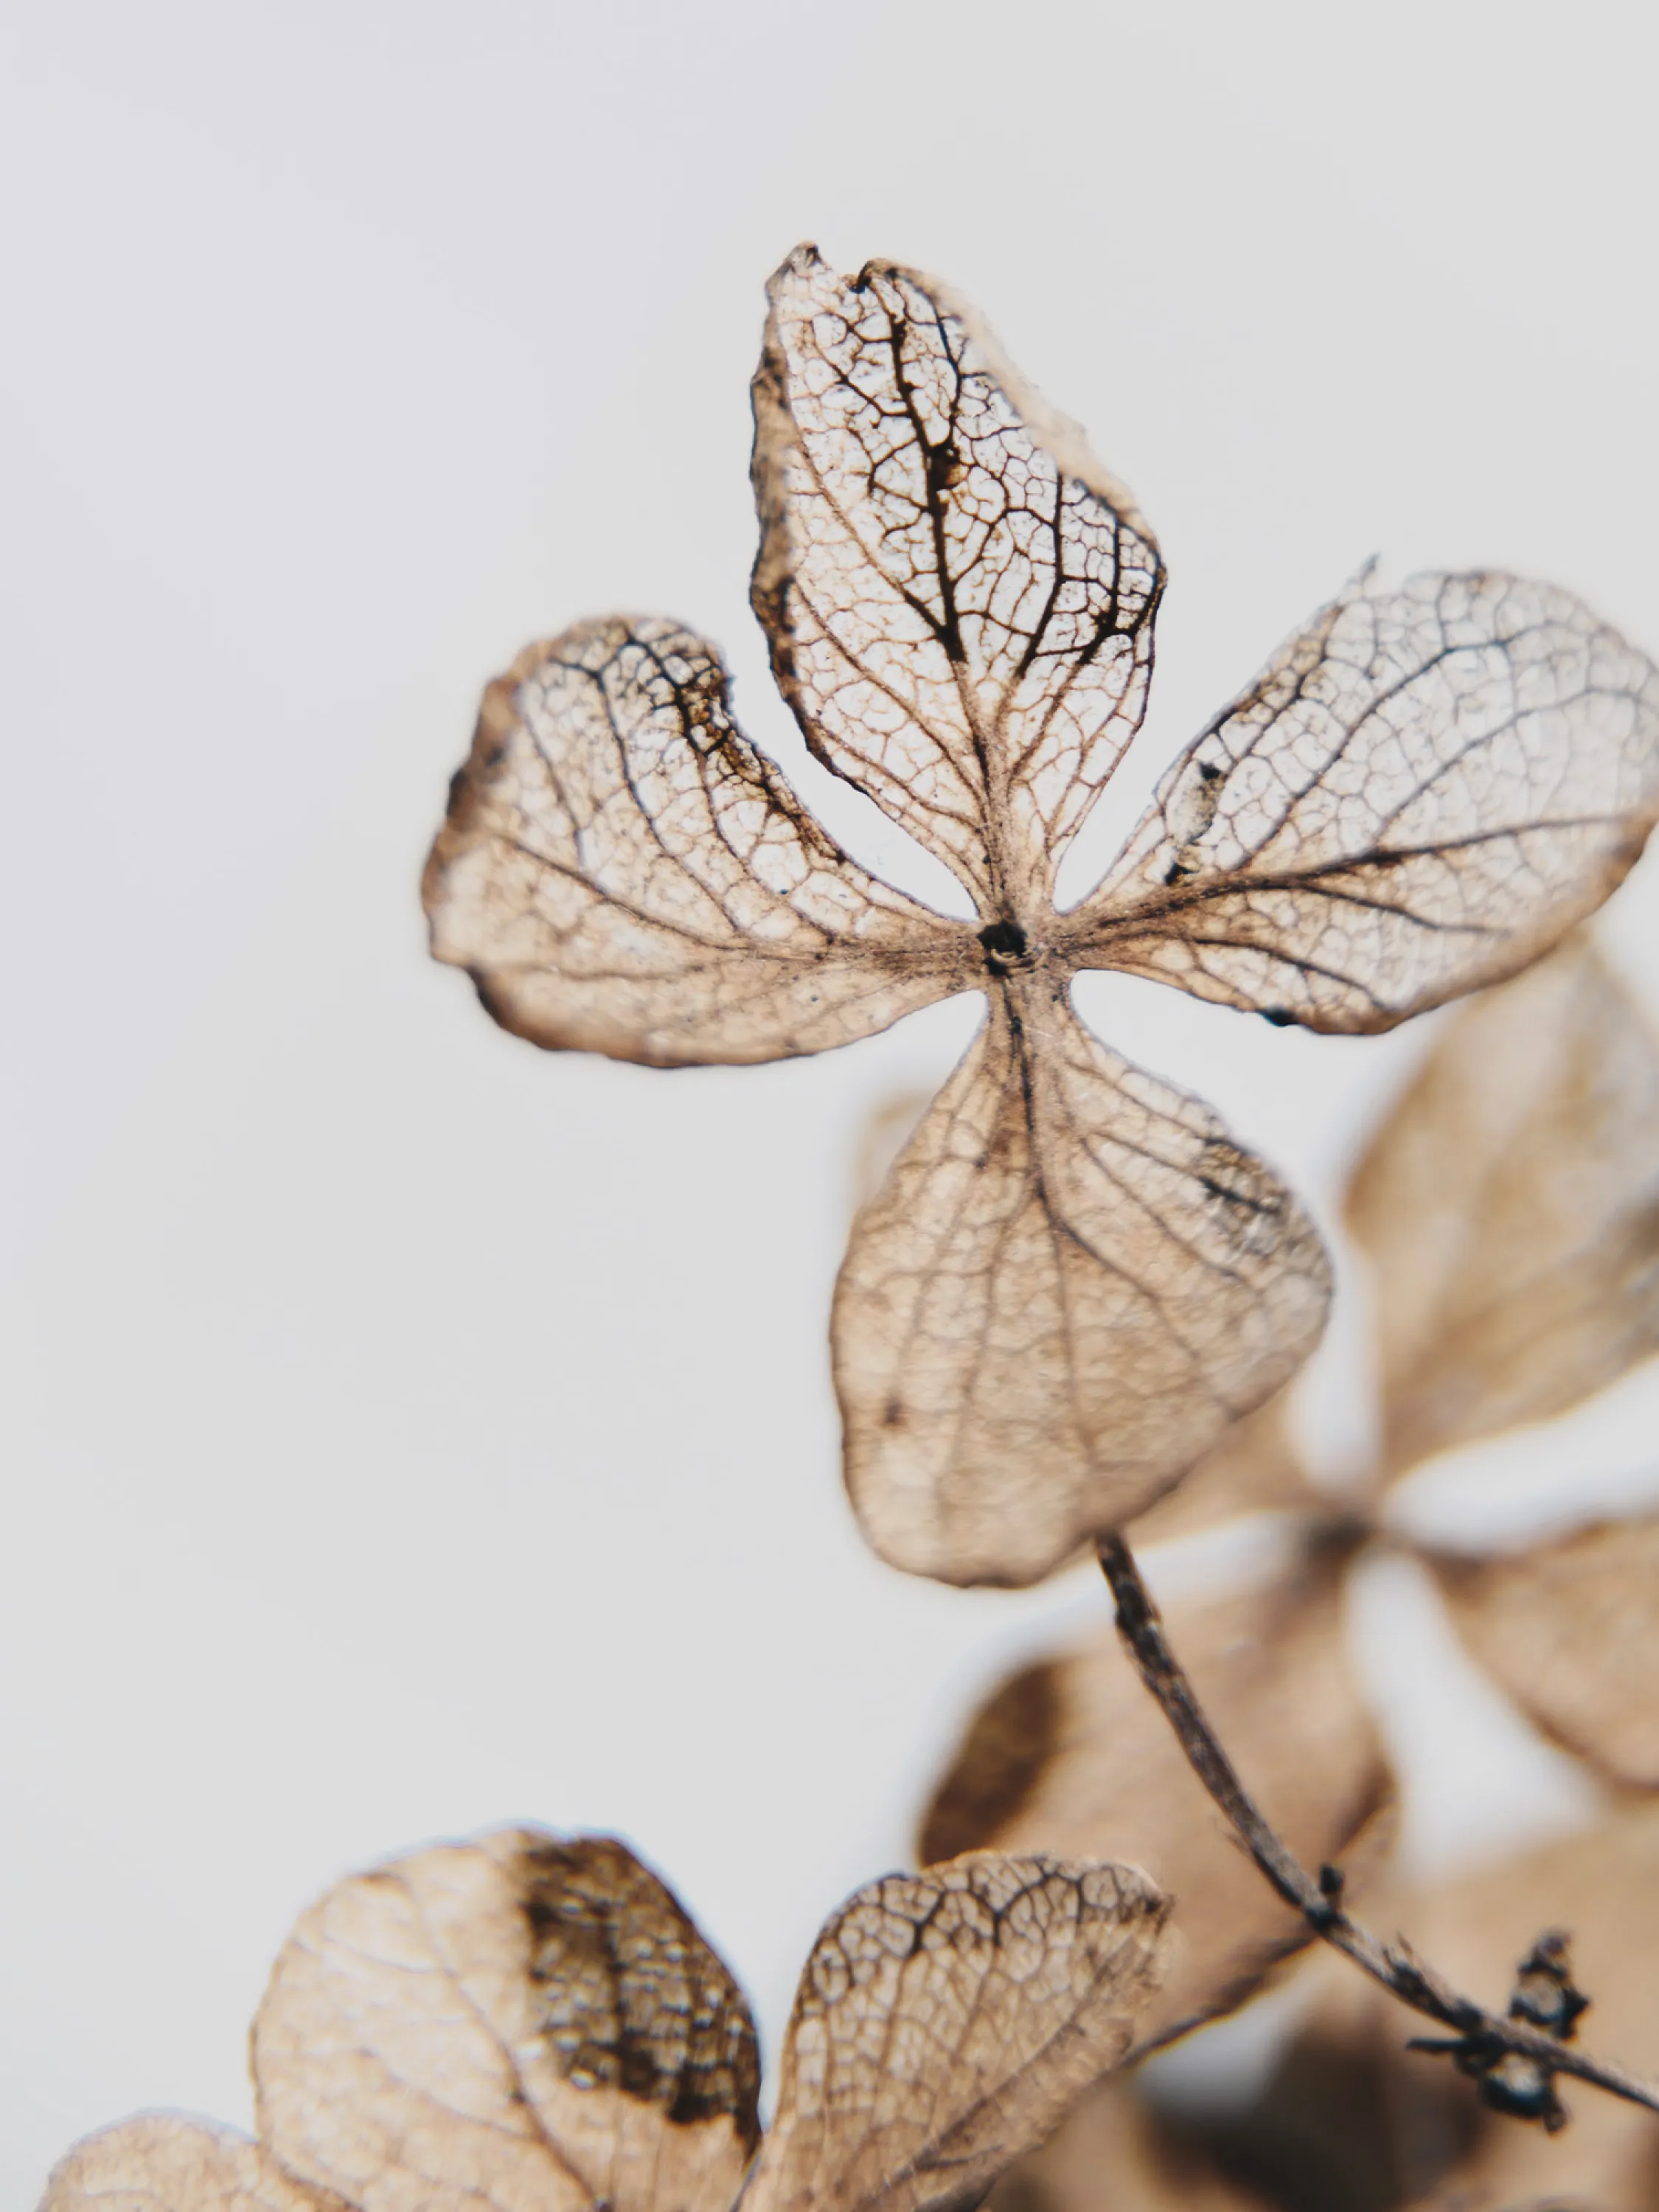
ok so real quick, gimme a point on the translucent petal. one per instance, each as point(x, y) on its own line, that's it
point(527, 2023)
point(1510, 1207)
point(1070, 1754)
point(1571, 1630)
point(622, 873)
point(959, 598)
point(1424, 790)
point(1252, 1469)
point(1071, 1283)
point(944, 2022)
point(163, 2163)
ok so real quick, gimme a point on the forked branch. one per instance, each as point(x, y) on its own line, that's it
point(1513, 2060)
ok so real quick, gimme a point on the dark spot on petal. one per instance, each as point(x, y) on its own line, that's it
point(944, 467)
point(1001, 1761)
point(629, 1998)
point(1248, 1204)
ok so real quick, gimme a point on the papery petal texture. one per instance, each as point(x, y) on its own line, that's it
point(944, 2022)
point(959, 598)
point(1424, 790)
point(525, 2024)
point(1071, 1283)
point(622, 873)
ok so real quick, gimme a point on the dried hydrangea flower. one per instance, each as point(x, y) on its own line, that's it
point(1073, 1279)
point(532, 2020)
point(1510, 1207)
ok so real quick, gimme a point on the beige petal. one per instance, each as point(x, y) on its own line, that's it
point(1510, 1207)
point(1603, 1888)
point(1070, 1285)
point(1252, 1469)
point(162, 2163)
point(622, 873)
point(525, 2024)
point(959, 598)
point(944, 2022)
point(1071, 1754)
point(1422, 793)
point(1571, 1630)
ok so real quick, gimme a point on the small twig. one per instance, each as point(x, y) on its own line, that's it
point(1544, 1994)
point(1482, 2040)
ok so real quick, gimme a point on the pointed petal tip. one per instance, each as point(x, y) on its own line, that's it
point(800, 262)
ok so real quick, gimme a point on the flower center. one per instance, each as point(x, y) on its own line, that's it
point(1005, 947)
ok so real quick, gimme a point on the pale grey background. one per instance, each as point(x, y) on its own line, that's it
point(404, 1431)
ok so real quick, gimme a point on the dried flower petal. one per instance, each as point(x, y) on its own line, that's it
point(1571, 1630)
point(959, 598)
point(162, 2163)
point(622, 873)
point(1424, 791)
point(1421, 792)
point(1252, 1469)
point(1071, 1754)
point(524, 2021)
point(1510, 1207)
point(1071, 1283)
point(944, 2022)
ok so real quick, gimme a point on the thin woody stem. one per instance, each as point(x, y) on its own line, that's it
point(1395, 1966)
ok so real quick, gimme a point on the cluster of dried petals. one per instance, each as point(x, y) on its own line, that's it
point(1509, 1208)
point(1073, 1281)
point(534, 2024)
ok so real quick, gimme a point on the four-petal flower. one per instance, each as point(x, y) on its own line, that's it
point(1073, 1281)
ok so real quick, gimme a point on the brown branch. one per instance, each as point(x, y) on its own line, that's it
point(1480, 2037)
